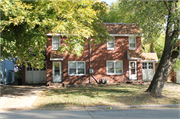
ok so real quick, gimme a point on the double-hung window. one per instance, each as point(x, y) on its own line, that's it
point(132, 43)
point(114, 67)
point(111, 44)
point(76, 68)
point(56, 42)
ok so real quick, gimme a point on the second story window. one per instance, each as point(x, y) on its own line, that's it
point(111, 44)
point(132, 43)
point(56, 42)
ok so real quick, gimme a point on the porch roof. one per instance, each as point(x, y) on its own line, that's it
point(56, 56)
point(133, 55)
point(149, 56)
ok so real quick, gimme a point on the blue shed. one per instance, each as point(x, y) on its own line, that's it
point(7, 71)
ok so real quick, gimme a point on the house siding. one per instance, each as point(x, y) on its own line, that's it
point(99, 56)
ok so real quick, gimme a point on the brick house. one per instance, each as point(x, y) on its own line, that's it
point(117, 60)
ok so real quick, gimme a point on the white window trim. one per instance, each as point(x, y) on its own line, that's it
point(135, 43)
point(111, 41)
point(77, 69)
point(114, 67)
point(58, 40)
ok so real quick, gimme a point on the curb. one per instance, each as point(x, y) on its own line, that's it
point(135, 106)
point(112, 107)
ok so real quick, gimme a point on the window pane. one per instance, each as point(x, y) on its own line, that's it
point(56, 66)
point(80, 64)
point(132, 65)
point(118, 64)
point(55, 46)
point(118, 70)
point(110, 64)
point(132, 39)
point(144, 64)
point(133, 71)
point(132, 45)
point(29, 68)
point(150, 65)
point(56, 69)
point(81, 71)
point(72, 71)
point(72, 64)
point(55, 39)
point(110, 70)
point(110, 45)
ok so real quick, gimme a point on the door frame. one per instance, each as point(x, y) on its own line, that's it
point(130, 75)
point(60, 69)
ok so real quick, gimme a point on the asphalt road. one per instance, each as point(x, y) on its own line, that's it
point(94, 114)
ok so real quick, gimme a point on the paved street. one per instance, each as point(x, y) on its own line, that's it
point(94, 114)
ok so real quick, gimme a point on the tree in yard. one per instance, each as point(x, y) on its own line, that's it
point(24, 25)
point(151, 17)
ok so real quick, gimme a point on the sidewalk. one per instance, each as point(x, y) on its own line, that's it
point(19, 97)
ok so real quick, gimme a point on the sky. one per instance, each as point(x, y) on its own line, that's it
point(109, 1)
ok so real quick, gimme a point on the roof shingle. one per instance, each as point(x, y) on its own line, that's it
point(122, 28)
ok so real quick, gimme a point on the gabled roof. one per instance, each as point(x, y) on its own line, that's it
point(133, 55)
point(114, 28)
point(149, 56)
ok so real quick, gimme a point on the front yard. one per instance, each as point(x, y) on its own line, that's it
point(116, 95)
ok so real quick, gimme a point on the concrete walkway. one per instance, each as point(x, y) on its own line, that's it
point(19, 96)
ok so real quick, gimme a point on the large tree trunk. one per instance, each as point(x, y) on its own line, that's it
point(168, 58)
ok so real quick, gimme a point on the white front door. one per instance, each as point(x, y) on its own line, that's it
point(148, 70)
point(132, 70)
point(57, 72)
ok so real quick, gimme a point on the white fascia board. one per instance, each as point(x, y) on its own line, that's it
point(56, 59)
point(124, 35)
point(150, 60)
point(50, 34)
point(135, 58)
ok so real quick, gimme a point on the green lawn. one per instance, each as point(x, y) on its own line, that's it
point(116, 95)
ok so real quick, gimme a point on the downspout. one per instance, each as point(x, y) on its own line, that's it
point(90, 74)
point(89, 60)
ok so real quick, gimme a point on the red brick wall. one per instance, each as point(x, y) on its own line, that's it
point(49, 63)
point(99, 56)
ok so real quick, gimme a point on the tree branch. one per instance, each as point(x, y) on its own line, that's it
point(166, 6)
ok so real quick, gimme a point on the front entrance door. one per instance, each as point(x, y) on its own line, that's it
point(57, 72)
point(132, 70)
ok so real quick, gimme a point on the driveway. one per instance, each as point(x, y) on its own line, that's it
point(18, 97)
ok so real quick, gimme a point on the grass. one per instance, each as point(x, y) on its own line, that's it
point(116, 95)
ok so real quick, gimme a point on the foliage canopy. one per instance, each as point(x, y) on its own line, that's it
point(24, 25)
